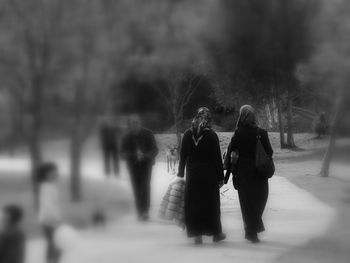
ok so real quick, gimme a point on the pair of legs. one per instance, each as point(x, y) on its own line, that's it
point(202, 203)
point(53, 253)
point(253, 199)
point(140, 175)
point(111, 159)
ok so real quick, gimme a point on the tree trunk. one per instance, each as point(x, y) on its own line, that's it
point(36, 159)
point(333, 134)
point(76, 154)
point(280, 123)
point(36, 128)
point(290, 135)
point(271, 108)
point(76, 145)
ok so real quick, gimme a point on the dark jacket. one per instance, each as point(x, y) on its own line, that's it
point(12, 245)
point(109, 135)
point(207, 152)
point(204, 170)
point(252, 189)
point(144, 141)
point(244, 142)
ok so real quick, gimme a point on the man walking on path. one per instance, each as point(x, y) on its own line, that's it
point(109, 134)
point(140, 149)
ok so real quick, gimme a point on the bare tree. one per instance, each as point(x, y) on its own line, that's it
point(34, 29)
point(177, 94)
point(88, 83)
point(338, 112)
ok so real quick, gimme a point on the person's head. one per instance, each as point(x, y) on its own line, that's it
point(11, 215)
point(134, 123)
point(47, 172)
point(202, 120)
point(247, 117)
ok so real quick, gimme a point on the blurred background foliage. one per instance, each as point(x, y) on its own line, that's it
point(65, 64)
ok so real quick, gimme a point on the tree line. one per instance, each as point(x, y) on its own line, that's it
point(280, 56)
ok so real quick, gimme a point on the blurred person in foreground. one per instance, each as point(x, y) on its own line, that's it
point(50, 214)
point(139, 148)
point(12, 237)
point(253, 189)
point(109, 138)
point(201, 155)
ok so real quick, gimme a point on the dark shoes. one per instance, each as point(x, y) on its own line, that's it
point(252, 238)
point(219, 237)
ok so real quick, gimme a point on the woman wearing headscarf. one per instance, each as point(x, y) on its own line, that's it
point(201, 156)
point(252, 188)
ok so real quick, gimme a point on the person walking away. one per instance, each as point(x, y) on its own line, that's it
point(200, 155)
point(139, 148)
point(320, 125)
point(252, 188)
point(109, 134)
point(50, 215)
point(12, 237)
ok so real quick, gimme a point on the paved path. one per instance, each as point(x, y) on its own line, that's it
point(293, 217)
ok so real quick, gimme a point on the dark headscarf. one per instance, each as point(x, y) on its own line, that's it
point(247, 117)
point(201, 122)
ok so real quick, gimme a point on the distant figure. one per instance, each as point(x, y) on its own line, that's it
point(320, 125)
point(50, 214)
point(12, 237)
point(98, 218)
point(140, 149)
point(252, 189)
point(109, 134)
point(201, 156)
point(171, 156)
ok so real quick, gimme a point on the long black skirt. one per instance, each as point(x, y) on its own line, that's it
point(253, 194)
point(202, 201)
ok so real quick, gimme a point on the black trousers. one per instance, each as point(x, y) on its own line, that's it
point(140, 175)
point(253, 193)
point(111, 159)
point(53, 253)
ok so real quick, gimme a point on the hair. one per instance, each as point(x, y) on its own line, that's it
point(202, 120)
point(43, 171)
point(14, 213)
point(247, 117)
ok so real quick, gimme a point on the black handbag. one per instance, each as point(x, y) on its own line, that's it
point(230, 162)
point(263, 162)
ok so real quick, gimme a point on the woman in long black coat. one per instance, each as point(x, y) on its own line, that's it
point(201, 155)
point(252, 189)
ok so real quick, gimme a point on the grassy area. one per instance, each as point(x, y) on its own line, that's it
point(110, 197)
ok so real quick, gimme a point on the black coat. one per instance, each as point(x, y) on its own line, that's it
point(252, 189)
point(204, 171)
point(12, 245)
point(109, 136)
point(144, 141)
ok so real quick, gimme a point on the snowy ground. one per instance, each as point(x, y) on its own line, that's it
point(294, 216)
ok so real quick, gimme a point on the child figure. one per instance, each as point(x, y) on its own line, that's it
point(12, 237)
point(50, 216)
